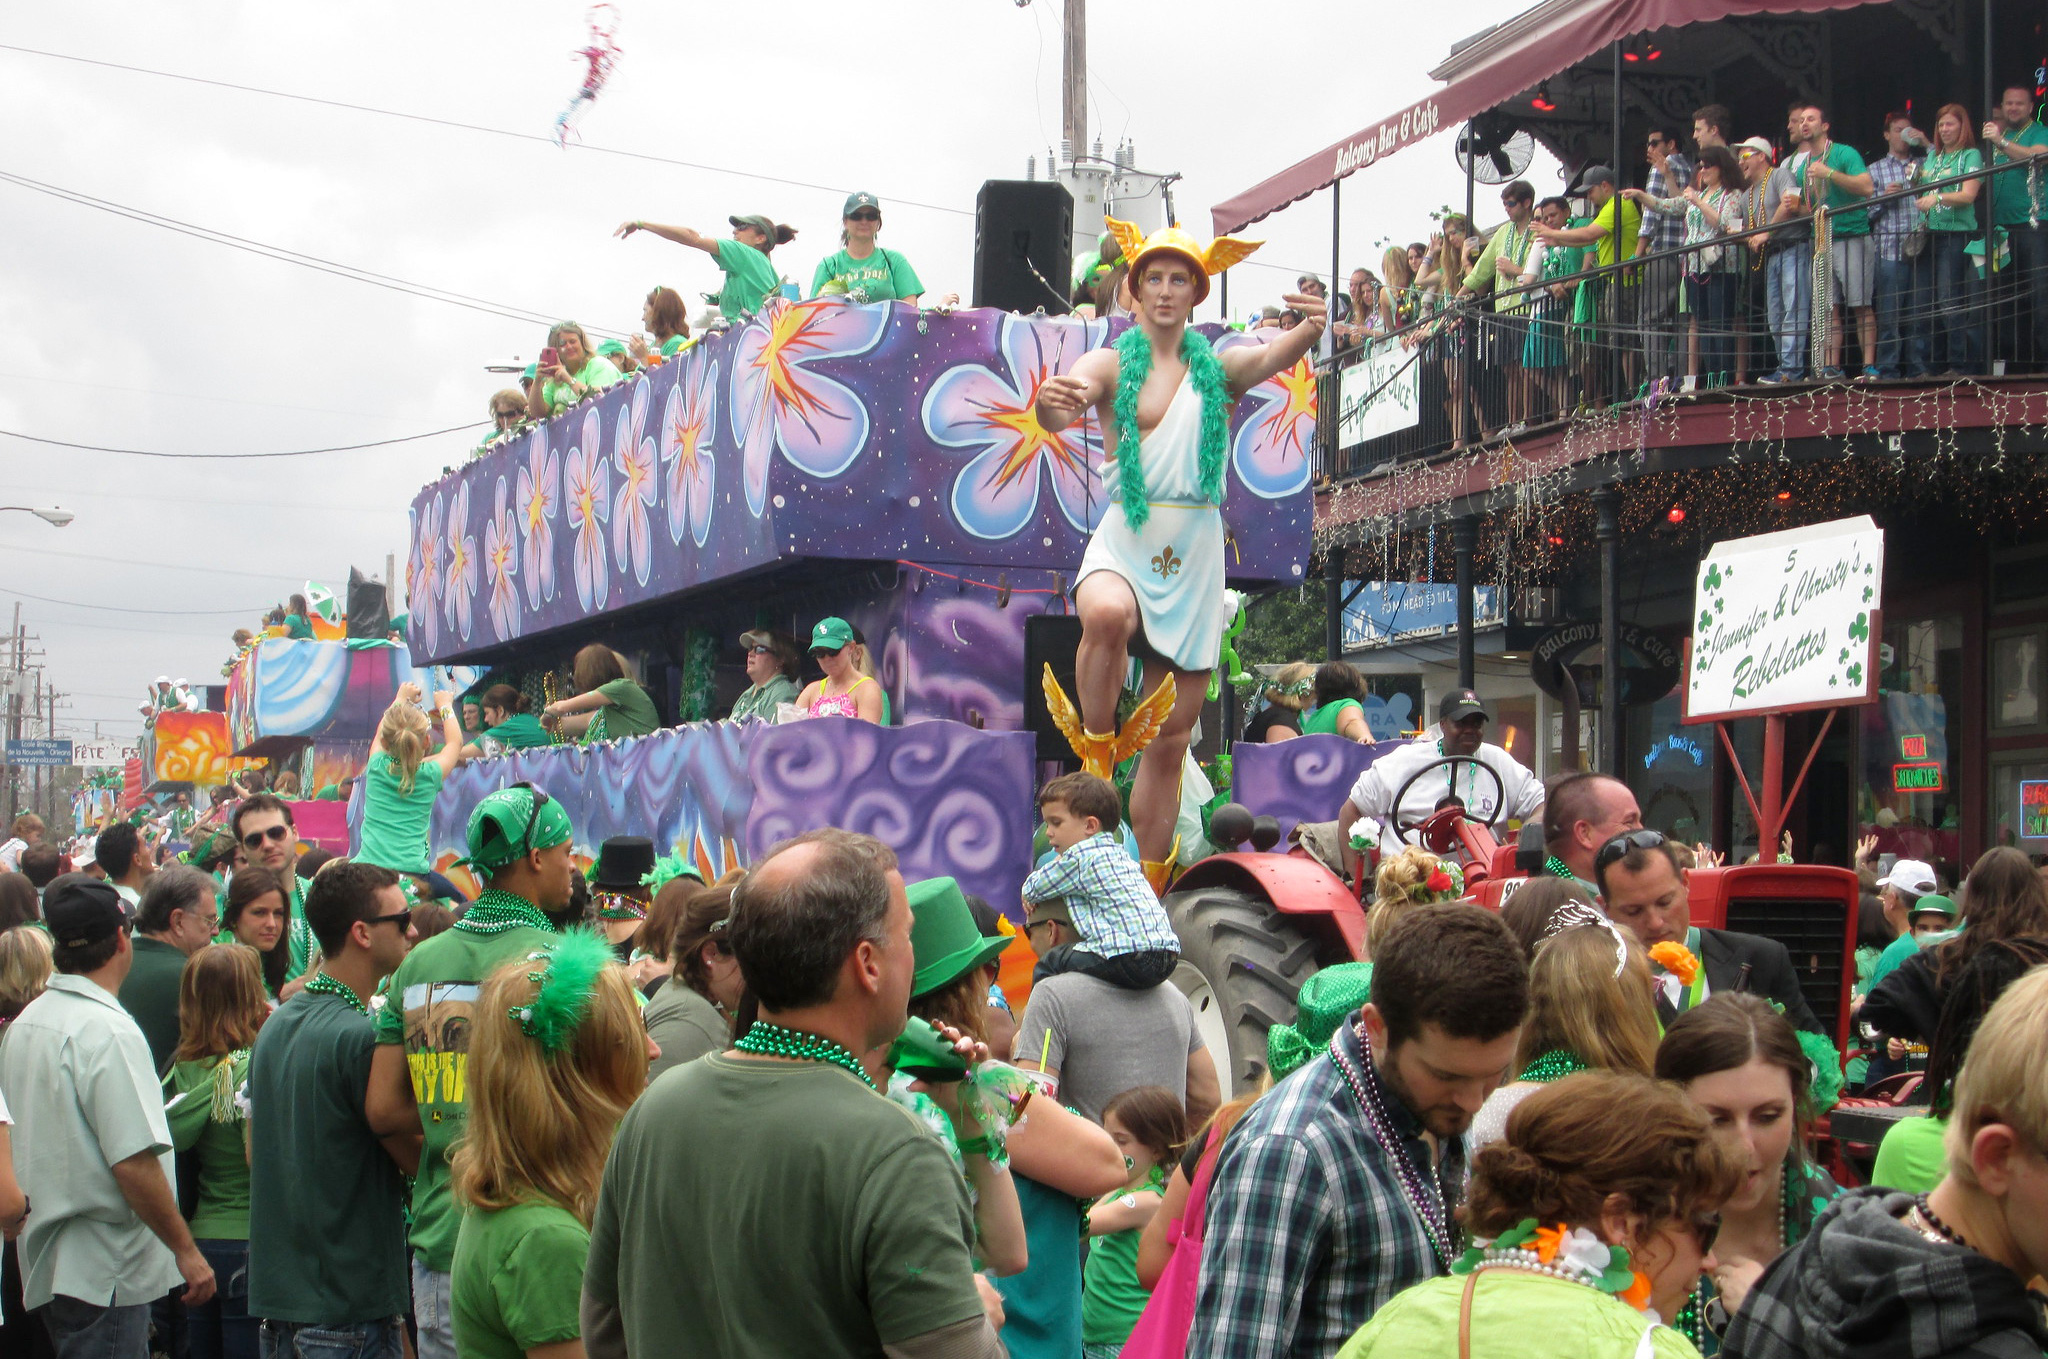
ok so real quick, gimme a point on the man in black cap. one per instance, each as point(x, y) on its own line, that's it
point(103, 1238)
point(1460, 730)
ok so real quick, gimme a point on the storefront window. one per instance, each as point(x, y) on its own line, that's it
point(1911, 736)
point(2019, 802)
point(1671, 770)
point(2016, 681)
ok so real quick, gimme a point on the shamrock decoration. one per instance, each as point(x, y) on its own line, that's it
point(1831, 680)
point(1843, 659)
point(1856, 674)
point(1706, 619)
point(1867, 593)
point(1713, 580)
point(1859, 631)
point(1721, 605)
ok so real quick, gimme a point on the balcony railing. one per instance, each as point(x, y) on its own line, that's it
point(1756, 309)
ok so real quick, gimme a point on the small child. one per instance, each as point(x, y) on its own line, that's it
point(401, 783)
point(1126, 938)
point(1149, 1127)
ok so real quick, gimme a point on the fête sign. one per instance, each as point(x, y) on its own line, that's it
point(1784, 621)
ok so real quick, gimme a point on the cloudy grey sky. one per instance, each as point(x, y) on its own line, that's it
point(130, 335)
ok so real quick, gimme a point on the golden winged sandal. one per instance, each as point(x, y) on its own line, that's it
point(1161, 874)
point(1101, 753)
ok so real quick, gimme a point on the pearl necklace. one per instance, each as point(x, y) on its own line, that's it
point(1515, 1257)
point(1422, 1193)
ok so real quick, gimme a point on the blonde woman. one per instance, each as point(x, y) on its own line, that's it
point(1287, 694)
point(1414, 877)
point(401, 781)
point(1590, 1009)
point(221, 1005)
point(556, 1056)
point(25, 968)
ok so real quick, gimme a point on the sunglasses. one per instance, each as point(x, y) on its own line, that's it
point(274, 834)
point(402, 919)
point(760, 651)
point(865, 217)
point(1619, 848)
point(828, 650)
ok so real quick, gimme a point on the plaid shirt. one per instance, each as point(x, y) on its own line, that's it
point(1892, 222)
point(1660, 232)
point(1114, 908)
point(1308, 1231)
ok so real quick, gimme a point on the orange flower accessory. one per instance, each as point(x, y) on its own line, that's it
point(1549, 1239)
point(1637, 1294)
point(1676, 959)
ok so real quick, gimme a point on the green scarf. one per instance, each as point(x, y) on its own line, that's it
point(1134, 365)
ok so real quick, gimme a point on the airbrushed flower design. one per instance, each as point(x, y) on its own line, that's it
point(817, 421)
point(1270, 449)
point(458, 597)
point(687, 424)
point(586, 486)
point(996, 493)
point(426, 582)
point(501, 565)
point(536, 501)
point(639, 485)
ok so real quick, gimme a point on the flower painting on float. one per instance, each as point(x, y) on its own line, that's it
point(423, 586)
point(633, 461)
point(540, 489)
point(687, 424)
point(459, 595)
point(501, 564)
point(586, 486)
point(780, 402)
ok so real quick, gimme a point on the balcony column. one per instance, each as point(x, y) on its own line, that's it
point(1607, 529)
point(1464, 538)
point(1333, 602)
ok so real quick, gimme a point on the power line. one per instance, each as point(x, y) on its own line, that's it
point(153, 565)
point(120, 608)
point(239, 457)
point(469, 127)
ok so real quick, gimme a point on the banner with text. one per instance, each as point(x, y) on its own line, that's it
point(1786, 620)
point(1378, 395)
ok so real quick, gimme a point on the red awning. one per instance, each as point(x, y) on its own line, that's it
point(1497, 66)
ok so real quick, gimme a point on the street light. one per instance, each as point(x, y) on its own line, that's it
point(50, 516)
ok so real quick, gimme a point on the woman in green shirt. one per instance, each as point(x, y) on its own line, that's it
point(608, 703)
point(863, 271)
point(221, 1005)
point(742, 257)
point(546, 1093)
point(509, 724)
point(577, 371)
point(255, 916)
point(298, 623)
point(1951, 225)
point(662, 314)
point(1338, 711)
point(402, 780)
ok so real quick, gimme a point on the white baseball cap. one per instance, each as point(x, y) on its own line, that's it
point(1911, 876)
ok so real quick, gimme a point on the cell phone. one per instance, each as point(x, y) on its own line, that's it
point(549, 357)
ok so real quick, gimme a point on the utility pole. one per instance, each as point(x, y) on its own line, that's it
point(35, 775)
point(14, 718)
point(1074, 82)
point(50, 695)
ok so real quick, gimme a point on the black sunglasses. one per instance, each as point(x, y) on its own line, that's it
point(1617, 849)
point(865, 217)
point(402, 919)
point(540, 800)
point(255, 839)
point(1706, 1229)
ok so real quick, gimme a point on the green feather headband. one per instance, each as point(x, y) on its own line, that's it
point(564, 985)
point(1134, 365)
point(666, 870)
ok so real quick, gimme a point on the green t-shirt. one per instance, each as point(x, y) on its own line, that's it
point(831, 1222)
point(1531, 1316)
point(884, 276)
point(520, 731)
point(1621, 238)
point(207, 1123)
point(150, 995)
point(674, 345)
point(299, 626)
point(597, 374)
point(434, 990)
point(1947, 165)
point(760, 700)
point(630, 712)
point(1111, 1296)
point(395, 823)
point(749, 277)
point(1845, 160)
point(326, 1202)
point(518, 1280)
point(1896, 952)
point(1912, 1159)
point(1323, 721)
point(2009, 191)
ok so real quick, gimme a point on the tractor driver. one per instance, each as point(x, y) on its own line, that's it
point(1460, 730)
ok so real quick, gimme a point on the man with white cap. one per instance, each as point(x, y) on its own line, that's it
point(1499, 791)
point(1900, 890)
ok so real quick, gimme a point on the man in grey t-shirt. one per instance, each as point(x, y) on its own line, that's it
point(1100, 1040)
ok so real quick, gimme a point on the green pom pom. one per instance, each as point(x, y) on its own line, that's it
point(1827, 1069)
point(568, 977)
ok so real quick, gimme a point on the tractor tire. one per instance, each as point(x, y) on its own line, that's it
point(1241, 965)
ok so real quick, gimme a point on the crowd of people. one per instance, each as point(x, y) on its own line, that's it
point(1543, 313)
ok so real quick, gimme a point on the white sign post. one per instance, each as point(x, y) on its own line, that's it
point(1378, 395)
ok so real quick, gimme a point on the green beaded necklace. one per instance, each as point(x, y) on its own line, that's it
point(1555, 867)
point(1553, 1065)
point(496, 911)
point(772, 1040)
point(322, 982)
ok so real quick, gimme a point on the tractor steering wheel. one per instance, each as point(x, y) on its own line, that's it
point(1435, 831)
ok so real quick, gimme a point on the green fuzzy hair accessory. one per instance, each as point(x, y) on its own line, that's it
point(1134, 355)
point(666, 870)
point(565, 981)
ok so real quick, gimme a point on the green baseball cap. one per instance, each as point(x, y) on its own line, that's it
point(1937, 903)
point(759, 222)
point(512, 821)
point(830, 635)
point(610, 347)
point(945, 943)
point(856, 201)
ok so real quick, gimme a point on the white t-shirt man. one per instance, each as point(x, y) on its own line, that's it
point(1373, 793)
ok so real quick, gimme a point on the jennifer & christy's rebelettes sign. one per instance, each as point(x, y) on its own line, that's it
point(1785, 621)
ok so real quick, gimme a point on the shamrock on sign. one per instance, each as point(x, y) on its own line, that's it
point(1706, 619)
point(1856, 674)
point(1713, 580)
point(1843, 659)
point(1859, 631)
point(1867, 593)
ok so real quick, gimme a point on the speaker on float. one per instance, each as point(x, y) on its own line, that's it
point(1050, 639)
point(1023, 245)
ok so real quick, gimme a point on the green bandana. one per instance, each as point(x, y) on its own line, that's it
point(1205, 370)
point(498, 828)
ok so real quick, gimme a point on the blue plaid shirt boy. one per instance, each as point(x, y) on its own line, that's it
point(1661, 233)
point(1114, 909)
point(1893, 221)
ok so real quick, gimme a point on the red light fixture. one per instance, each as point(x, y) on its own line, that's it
point(1783, 495)
point(1556, 541)
point(1541, 101)
point(1676, 514)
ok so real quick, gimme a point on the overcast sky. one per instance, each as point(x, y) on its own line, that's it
point(130, 335)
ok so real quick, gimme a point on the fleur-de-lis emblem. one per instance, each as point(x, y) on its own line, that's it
point(1165, 564)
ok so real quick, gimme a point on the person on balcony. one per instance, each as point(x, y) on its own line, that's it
point(861, 270)
point(298, 624)
point(771, 674)
point(668, 330)
point(1958, 341)
point(576, 372)
point(750, 276)
point(846, 690)
point(1712, 209)
point(509, 724)
point(608, 702)
point(1898, 232)
point(1611, 299)
point(2019, 207)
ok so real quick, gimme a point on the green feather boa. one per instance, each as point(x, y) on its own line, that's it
point(1134, 365)
point(567, 980)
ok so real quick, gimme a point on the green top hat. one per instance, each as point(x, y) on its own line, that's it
point(1325, 1001)
point(945, 942)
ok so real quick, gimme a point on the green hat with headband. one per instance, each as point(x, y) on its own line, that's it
point(831, 634)
point(607, 348)
point(945, 943)
point(511, 822)
point(1325, 1001)
point(1937, 903)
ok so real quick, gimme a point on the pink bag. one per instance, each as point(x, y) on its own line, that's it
point(1162, 1329)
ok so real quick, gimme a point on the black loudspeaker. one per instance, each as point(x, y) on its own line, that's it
point(1050, 639)
point(1023, 245)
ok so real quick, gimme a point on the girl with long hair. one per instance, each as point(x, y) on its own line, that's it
point(556, 1056)
point(663, 316)
point(255, 915)
point(1590, 1009)
point(608, 704)
point(849, 688)
point(509, 724)
point(1951, 225)
point(402, 780)
point(25, 967)
point(1150, 1127)
point(1740, 1061)
point(1337, 711)
point(221, 1005)
point(577, 371)
point(2003, 898)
